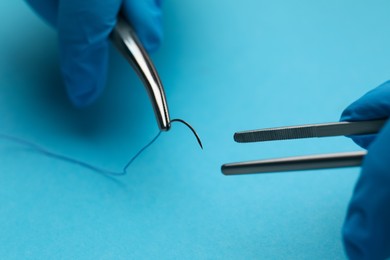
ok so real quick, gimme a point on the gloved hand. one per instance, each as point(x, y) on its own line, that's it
point(83, 29)
point(366, 230)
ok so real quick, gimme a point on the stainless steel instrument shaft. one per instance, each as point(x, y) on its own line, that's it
point(298, 163)
point(310, 131)
point(125, 39)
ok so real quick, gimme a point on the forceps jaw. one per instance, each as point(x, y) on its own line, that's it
point(299, 163)
point(128, 44)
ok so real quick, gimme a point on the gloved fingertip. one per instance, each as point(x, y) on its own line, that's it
point(345, 117)
point(146, 19)
point(90, 91)
point(83, 31)
point(84, 72)
point(151, 40)
point(364, 141)
point(350, 113)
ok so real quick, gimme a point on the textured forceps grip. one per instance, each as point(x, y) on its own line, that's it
point(310, 131)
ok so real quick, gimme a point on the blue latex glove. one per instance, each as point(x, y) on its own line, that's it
point(366, 230)
point(83, 29)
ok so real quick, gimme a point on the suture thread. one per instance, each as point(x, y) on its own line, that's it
point(42, 150)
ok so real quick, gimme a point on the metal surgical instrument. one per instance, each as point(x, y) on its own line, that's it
point(311, 162)
point(125, 39)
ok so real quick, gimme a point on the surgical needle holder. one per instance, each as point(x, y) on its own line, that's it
point(126, 41)
point(310, 162)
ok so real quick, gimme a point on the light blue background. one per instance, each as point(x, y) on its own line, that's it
point(226, 66)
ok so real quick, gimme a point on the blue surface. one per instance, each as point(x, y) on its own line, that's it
point(236, 66)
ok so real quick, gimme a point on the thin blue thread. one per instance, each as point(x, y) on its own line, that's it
point(42, 150)
point(141, 151)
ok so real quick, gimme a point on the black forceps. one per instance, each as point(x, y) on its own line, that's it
point(310, 162)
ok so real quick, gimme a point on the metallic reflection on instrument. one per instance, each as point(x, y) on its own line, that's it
point(128, 44)
point(310, 131)
point(311, 162)
point(299, 163)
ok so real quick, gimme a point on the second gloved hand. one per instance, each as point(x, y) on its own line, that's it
point(366, 230)
point(84, 27)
